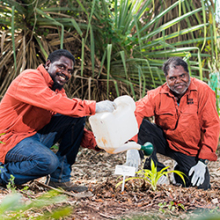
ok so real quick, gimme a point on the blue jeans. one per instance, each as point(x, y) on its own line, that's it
point(32, 158)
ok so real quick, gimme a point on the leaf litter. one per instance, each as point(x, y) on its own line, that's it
point(137, 201)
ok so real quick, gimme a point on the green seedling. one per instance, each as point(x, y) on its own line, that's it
point(152, 176)
point(172, 206)
point(55, 147)
point(11, 184)
point(14, 207)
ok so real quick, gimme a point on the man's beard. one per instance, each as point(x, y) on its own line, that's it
point(56, 86)
point(177, 92)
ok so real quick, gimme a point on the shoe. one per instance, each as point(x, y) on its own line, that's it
point(68, 186)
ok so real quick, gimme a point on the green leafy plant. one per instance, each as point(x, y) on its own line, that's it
point(171, 206)
point(120, 45)
point(214, 211)
point(13, 207)
point(11, 184)
point(152, 176)
point(214, 83)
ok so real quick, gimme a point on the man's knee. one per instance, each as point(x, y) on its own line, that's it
point(82, 121)
point(66, 121)
point(48, 163)
point(150, 132)
point(78, 121)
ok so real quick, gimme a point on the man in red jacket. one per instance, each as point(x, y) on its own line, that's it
point(186, 124)
point(35, 113)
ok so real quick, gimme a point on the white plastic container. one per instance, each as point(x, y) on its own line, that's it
point(112, 130)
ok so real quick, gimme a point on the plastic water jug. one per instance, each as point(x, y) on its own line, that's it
point(113, 129)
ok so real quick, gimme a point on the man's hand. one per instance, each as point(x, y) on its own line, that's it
point(105, 106)
point(133, 158)
point(199, 173)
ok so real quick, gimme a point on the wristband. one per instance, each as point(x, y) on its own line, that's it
point(205, 161)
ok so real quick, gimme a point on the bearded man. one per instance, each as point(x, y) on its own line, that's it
point(35, 113)
point(186, 126)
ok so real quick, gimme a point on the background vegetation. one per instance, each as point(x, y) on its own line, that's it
point(119, 45)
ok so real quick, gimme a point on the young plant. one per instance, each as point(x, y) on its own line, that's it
point(172, 206)
point(152, 176)
point(13, 206)
point(11, 184)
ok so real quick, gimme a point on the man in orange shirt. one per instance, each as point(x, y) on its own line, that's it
point(35, 113)
point(186, 124)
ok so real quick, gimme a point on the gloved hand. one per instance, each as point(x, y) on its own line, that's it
point(105, 106)
point(199, 173)
point(133, 158)
point(163, 180)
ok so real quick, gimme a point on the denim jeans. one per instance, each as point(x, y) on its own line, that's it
point(32, 158)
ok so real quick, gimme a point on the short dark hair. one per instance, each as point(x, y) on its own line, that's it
point(55, 55)
point(173, 62)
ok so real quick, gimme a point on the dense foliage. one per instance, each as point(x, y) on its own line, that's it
point(120, 45)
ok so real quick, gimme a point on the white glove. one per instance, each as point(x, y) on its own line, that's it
point(199, 173)
point(105, 106)
point(133, 158)
point(163, 180)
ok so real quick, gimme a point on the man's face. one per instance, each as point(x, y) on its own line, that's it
point(178, 80)
point(60, 71)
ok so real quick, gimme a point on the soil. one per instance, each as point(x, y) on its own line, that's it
point(138, 200)
point(96, 170)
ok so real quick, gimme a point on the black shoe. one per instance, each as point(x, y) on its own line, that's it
point(68, 186)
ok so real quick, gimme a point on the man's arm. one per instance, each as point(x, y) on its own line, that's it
point(31, 88)
point(210, 125)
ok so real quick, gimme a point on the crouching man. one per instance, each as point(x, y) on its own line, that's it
point(186, 126)
point(35, 113)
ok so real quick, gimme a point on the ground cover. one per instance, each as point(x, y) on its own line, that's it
point(137, 201)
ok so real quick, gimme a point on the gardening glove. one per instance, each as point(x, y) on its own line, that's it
point(199, 173)
point(105, 106)
point(163, 180)
point(133, 158)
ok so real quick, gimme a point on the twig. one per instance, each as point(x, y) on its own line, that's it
point(77, 195)
point(106, 216)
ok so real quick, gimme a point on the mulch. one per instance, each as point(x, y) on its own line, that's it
point(138, 200)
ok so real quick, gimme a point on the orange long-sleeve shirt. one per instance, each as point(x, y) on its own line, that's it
point(192, 127)
point(29, 104)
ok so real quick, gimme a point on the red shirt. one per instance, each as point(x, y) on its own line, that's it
point(29, 104)
point(192, 127)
